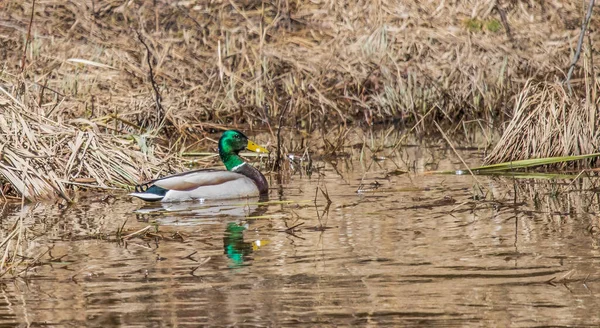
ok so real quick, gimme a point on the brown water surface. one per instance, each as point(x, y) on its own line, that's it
point(406, 249)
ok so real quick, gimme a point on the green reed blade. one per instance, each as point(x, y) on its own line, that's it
point(522, 164)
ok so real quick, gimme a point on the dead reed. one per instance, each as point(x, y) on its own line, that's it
point(547, 122)
point(41, 158)
point(188, 65)
point(89, 86)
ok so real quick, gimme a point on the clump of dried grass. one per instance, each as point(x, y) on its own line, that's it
point(41, 158)
point(548, 122)
point(195, 63)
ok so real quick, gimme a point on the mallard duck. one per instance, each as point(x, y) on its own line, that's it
point(241, 180)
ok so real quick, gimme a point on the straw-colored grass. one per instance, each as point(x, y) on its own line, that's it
point(547, 122)
point(233, 62)
point(41, 158)
point(79, 77)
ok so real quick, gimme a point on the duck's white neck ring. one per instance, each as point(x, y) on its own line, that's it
point(235, 168)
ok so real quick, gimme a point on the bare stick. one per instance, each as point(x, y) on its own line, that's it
point(277, 166)
point(157, 96)
point(456, 153)
point(28, 37)
point(584, 25)
point(137, 233)
point(504, 21)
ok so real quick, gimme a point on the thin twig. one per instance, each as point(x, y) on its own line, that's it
point(504, 20)
point(584, 25)
point(139, 232)
point(291, 229)
point(456, 153)
point(28, 37)
point(157, 97)
point(278, 160)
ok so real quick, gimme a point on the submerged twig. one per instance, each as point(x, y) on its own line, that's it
point(278, 158)
point(456, 153)
point(16, 231)
point(137, 233)
point(291, 229)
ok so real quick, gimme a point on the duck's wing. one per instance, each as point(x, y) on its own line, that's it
point(193, 179)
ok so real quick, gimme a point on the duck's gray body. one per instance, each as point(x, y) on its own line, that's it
point(241, 182)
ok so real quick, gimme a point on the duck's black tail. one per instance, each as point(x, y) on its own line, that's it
point(149, 192)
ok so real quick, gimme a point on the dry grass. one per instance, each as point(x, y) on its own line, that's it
point(234, 62)
point(547, 122)
point(42, 158)
point(550, 119)
point(89, 86)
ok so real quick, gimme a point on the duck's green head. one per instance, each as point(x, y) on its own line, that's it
point(231, 143)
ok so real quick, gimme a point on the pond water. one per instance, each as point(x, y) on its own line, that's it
point(389, 249)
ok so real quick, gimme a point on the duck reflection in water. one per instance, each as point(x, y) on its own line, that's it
point(197, 212)
point(212, 212)
point(236, 249)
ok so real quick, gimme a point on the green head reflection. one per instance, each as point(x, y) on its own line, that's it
point(235, 247)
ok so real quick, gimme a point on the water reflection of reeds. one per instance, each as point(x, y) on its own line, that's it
point(416, 248)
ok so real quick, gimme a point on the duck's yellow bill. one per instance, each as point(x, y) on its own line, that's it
point(256, 148)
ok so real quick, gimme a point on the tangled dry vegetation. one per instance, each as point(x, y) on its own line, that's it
point(548, 122)
point(41, 158)
point(231, 62)
point(90, 72)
